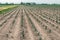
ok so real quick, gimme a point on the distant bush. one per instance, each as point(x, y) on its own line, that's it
point(22, 3)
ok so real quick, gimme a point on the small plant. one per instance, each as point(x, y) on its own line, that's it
point(12, 37)
point(57, 27)
point(46, 27)
point(40, 38)
point(9, 31)
point(23, 36)
point(13, 21)
point(49, 31)
point(7, 35)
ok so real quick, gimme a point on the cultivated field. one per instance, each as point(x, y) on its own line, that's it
point(6, 7)
point(31, 23)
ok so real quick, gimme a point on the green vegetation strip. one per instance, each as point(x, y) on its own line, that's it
point(8, 9)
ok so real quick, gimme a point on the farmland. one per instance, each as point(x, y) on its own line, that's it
point(26, 22)
point(5, 8)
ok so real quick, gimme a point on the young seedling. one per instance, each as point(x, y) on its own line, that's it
point(49, 31)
